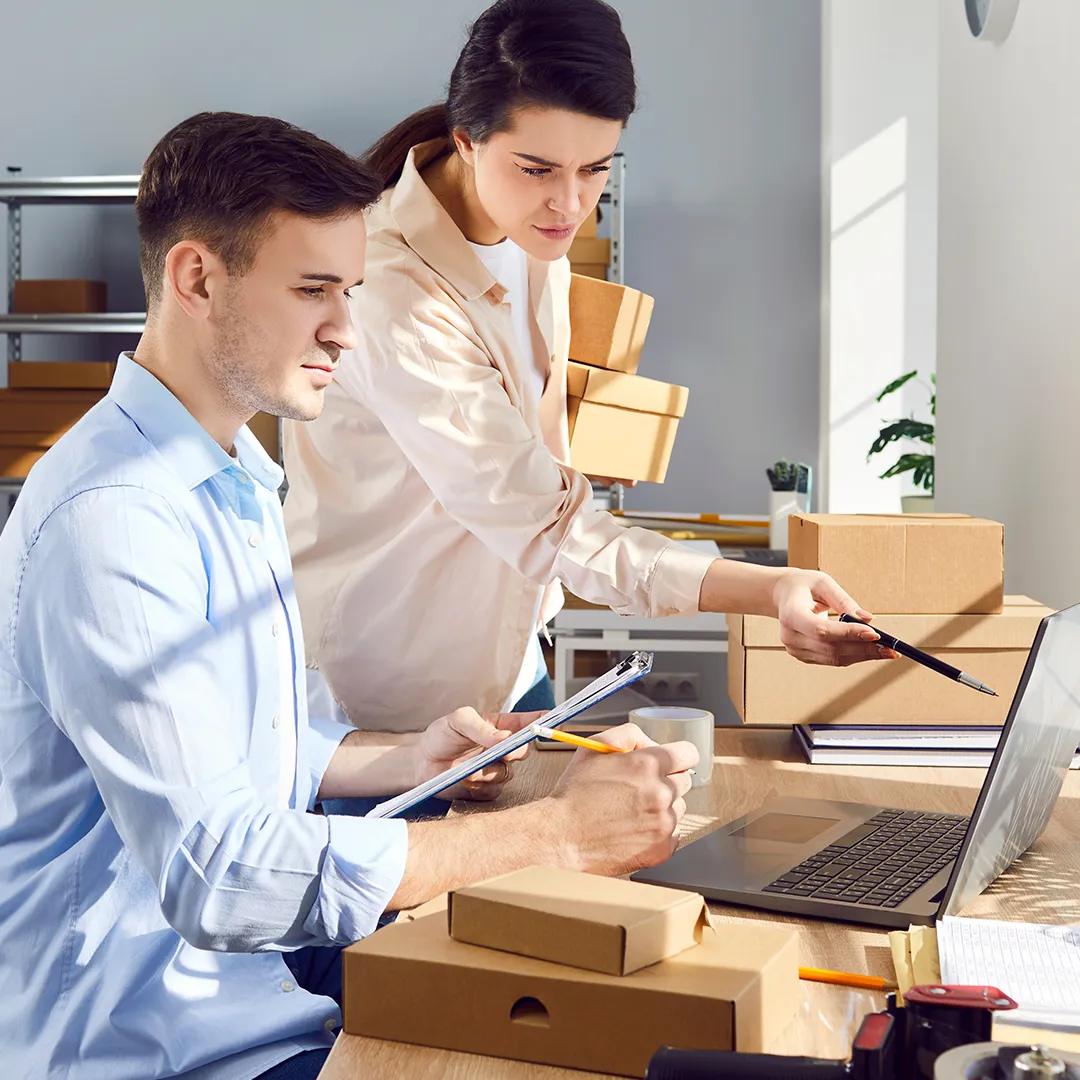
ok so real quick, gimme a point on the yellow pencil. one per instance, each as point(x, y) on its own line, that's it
point(578, 740)
point(845, 978)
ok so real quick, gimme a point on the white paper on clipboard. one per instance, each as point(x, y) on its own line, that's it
point(623, 674)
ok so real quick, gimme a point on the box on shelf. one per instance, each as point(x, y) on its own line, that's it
point(43, 411)
point(588, 227)
point(57, 296)
point(621, 426)
point(589, 249)
point(905, 563)
point(769, 686)
point(583, 920)
point(61, 375)
point(608, 323)
point(265, 428)
point(411, 982)
point(590, 270)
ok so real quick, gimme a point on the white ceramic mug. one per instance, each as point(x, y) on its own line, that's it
point(667, 725)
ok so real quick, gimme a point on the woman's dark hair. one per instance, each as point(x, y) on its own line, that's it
point(555, 54)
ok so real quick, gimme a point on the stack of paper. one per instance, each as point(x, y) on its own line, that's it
point(1038, 966)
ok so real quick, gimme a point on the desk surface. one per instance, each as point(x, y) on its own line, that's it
point(750, 767)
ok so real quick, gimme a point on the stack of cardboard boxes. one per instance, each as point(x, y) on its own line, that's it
point(590, 255)
point(577, 970)
point(43, 400)
point(622, 426)
point(934, 581)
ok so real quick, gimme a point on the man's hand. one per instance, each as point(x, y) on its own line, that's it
point(803, 600)
point(620, 812)
point(452, 739)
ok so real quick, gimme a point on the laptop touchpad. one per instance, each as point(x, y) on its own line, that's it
point(784, 828)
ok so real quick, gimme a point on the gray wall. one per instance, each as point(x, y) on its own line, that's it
point(724, 173)
point(1009, 268)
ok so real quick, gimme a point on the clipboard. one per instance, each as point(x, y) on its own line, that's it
point(623, 674)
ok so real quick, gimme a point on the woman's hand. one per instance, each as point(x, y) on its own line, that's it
point(803, 600)
point(452, 739)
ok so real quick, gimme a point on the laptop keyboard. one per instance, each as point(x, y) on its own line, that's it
point(880, 863)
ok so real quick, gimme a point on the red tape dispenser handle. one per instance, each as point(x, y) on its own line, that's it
point(988, 998)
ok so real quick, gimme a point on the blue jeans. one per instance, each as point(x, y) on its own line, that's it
point(305, 1066)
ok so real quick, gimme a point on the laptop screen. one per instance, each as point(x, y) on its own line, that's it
point(1036, 747)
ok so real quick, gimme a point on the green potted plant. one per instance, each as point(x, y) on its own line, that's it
point(919, 464)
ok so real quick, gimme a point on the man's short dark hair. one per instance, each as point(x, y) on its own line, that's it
point(220, 177)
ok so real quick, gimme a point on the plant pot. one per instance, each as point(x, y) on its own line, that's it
point(917, 504)
point(781, 505)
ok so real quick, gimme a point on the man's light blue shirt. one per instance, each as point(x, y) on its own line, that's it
point(149, 877)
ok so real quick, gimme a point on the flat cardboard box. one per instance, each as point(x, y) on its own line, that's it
point(621, 426)
point(769, 686)
point(58, 296)
point(44, 410)
point(591, 270)
point(590, 249)
point(905, 563)
point(608, 323)
point(61, 375)
point(411, 982)
point(583, 920)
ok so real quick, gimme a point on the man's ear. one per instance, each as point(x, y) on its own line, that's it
point(193, 274)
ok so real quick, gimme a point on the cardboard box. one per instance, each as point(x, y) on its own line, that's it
point(621, 426)
point(769, 686)
point(58, 297)
point(590, 249)
point(583, 920)
point(411, 982)
point(608, 323)
point(44, 410)
point(590, 270)
point(588, 227)
point(905, 563)
point(16, 461)
point(265, 428)
point(55, 375)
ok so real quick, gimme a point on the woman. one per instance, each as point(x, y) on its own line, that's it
point(432, 510)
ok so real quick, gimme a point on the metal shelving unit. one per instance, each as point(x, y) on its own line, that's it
point(17, 192)
point(612, 199)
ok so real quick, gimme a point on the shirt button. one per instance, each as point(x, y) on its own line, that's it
point(277, 628)
point(288, 987)
point(255, 538)
point(277, 722)
point(330, 1025)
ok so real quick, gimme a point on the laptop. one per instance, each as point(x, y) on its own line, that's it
point(890, 867)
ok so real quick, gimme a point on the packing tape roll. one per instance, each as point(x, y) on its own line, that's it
point(977, 1059)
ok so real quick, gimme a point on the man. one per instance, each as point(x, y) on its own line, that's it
point(164, 882)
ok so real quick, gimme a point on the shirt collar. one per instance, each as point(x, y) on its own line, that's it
point(430, 231)
point(184, 444)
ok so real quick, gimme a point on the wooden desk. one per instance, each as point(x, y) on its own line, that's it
point(750, 767)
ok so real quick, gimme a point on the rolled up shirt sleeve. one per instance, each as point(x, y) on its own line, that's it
point(428, 377)
point(111, 632)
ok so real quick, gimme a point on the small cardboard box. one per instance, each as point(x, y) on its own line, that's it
point(411, 982)
point(621, 426)
point(589, 249)
point(583, 920)
point(590, 270)
point(266, 429)
point(61, 375)
point(906, 564)
point(608, 323)
point(588, 227)
point(769, 686)
point(44, 410)
point(58, 297)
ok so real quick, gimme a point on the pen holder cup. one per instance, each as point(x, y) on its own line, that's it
point(695, 726)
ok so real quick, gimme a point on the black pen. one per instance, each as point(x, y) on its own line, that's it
point(932, 662)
